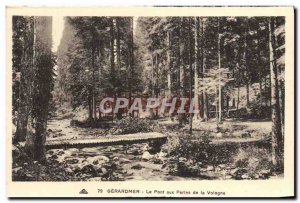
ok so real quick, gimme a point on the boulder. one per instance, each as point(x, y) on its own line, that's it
point(137, 167)
point(103, 171)
point(69, 170)
point(89, 169)
point(73, 150)
point(72, 161)
point(50, 152)
point(219, 135)
point(17, 170)
point(95, 179)
point(228, 177)
point(157, 161)
point(162, 154)
point(97, 160)
point(222, 166)
point(16, 153)
point(238, 172)
point(245, 135)
point(203, 169)
point(145, 147)
point(234, 171)
point(124, 161)
point(265, 172)
point(182, 159)
point(146, 156)
point(28, 176)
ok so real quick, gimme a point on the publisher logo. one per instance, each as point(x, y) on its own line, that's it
point(83, 191)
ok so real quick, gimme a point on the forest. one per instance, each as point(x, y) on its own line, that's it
point(230, 68)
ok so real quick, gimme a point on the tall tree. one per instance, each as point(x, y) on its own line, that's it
point(219, 64)
point(196, 69)
point(191, 74)
point(131, 59)
point(277, 140)
point(23, 38)
point(43, 85)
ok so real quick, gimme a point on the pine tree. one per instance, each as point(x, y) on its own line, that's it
point(277, 140)
point(43, 83)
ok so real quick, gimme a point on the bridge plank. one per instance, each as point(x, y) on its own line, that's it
point(108, 140)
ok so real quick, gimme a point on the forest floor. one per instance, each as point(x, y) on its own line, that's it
point(60, 129)
point(134, 162)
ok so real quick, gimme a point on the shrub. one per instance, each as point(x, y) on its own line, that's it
point(191, 147)
point(254, 159)
point(259, 112)
point(130, 125)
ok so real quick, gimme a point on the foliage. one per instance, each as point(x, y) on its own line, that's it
point(130, 125)
point(253, 159)
point(191, 147)
point(95, 61)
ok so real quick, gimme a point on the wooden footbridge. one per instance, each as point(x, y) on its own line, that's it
point(108, 140)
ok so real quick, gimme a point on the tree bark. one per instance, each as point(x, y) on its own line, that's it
point(169, 63)
point(191, 74)
point(277, 140)
point(120, 111)
point(204, 97)
point(118, 47)
point(196, 94)
point(179, 79)
point(259, 70)
point(157, 81)
point(43, 68)
point(219, 62)
point(25, 92)
point(238, 92)
point(112, 54)
point(246, 63)
point(131, 62)
point(182, 68)
point(94, 86)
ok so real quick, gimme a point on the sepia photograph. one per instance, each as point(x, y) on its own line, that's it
point(133, 98)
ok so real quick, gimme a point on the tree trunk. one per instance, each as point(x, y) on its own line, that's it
point(43, 67)
point(169, 64)
point(25, 92)
point(90, 107)
point(277, 141)
point(259, 70)
point(118, 47)
point(265, 90)
point(100, 77)
point(196, 94)
point(156, 83)
point(152, 74)
point(94, 86)
point(204, 97)
point(131, 61)
point(246, 64)
point(219, 62)
point(238, 93)
point(120, 111)
point(112, 55)
point(179, 79)
point(203, 113)
point(227, 105)
point(191, 73)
